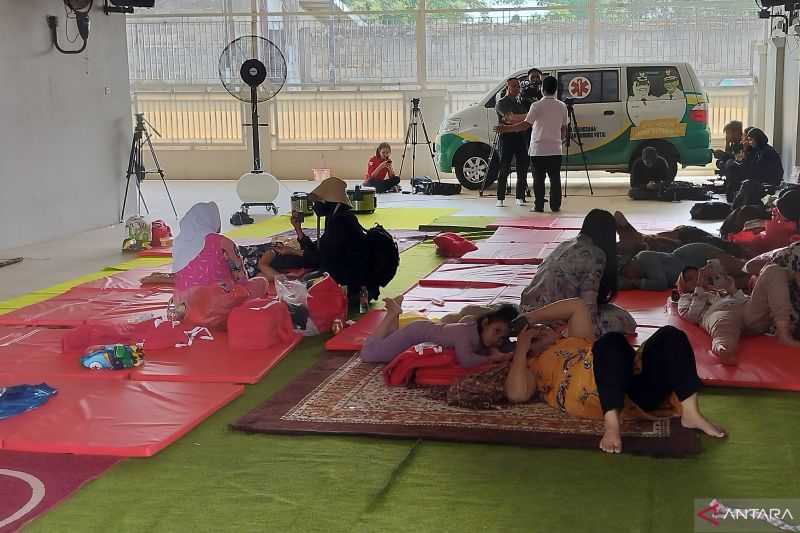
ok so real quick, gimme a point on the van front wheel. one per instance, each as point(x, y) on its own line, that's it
point(471, 165)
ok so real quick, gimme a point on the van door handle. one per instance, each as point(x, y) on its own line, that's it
point(608, 112)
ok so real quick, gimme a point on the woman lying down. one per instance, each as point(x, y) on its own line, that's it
point(575, 374)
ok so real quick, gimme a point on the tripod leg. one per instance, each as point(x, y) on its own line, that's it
point(140, 172)
point(574, 121)
point(430, 148)
point(405, 147)
point(161, 173)
point(414, 143)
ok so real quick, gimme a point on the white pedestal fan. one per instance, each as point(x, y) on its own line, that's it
point(253, 70)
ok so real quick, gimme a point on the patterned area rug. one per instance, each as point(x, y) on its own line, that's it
point(343, 395)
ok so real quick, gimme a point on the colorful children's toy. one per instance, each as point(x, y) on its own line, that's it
point(113, 357)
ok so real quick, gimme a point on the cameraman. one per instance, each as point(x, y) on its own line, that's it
point(533, 92)
point(548, 119)
point(510, 110)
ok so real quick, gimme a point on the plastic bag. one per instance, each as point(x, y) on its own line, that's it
point(20, 398)
point(292, 292)
point(326, 303)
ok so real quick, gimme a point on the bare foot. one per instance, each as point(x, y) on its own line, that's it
point(612, 440)
point(394, 306)
point(725, 356)
point(694, 420)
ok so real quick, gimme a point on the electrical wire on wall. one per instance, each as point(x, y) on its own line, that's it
point(78, 11)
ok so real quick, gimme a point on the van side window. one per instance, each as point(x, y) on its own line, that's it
point(589, 87)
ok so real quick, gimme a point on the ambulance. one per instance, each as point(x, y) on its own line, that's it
point(619, 110)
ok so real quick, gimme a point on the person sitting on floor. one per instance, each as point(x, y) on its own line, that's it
point(342, 250)
point(659, 271)
point(632, 241)
point(583, 267)
point(475, 341)
point(710, 299)
point(581, 377)
point(650, 168)
point(734, 148)
point(203, 257)
point(761, 163)
point(747, 206)
point(380, 173)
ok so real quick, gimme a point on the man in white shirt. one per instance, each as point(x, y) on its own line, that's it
point(548, 120)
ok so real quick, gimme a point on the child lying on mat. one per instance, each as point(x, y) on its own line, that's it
point(710, 299)
point(658, 271)
point(599, 379)
point(203, 257)
point(475, 341)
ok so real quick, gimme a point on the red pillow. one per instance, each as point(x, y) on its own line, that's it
point(453, 245)
point(259, 325)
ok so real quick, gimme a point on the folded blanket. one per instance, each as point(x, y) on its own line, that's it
point(428, 365)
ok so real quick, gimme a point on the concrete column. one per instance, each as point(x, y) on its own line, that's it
point(774, 119)
point(591, 35)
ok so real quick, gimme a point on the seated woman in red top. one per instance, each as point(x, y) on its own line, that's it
point(380, 173)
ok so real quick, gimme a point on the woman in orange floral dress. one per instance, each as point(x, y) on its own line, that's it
point(602, 379)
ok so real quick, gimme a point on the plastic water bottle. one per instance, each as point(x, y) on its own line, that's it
point(363, 300)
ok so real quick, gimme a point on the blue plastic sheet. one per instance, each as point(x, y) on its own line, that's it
point(20, 398)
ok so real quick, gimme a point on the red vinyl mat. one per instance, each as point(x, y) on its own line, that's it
point(211, 362)
point(649, 308)
point(351, 339)
point(645, 223)
point(762, 362)
point(129, 279)
point(156, 252)
point(505, 254)
point(32, 483)
point(80, 304)
point(528, 235)
point(474, 275)
point(113, 417)
point(34, 353)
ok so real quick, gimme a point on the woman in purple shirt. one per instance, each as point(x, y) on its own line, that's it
point(475, 342)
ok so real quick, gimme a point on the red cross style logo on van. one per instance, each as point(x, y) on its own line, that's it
point(580, 87)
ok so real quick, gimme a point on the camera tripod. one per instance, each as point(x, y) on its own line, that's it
point(412, 139)
point(572, 127)
point(136, 165)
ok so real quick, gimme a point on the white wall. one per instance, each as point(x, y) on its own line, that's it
point(65, 124)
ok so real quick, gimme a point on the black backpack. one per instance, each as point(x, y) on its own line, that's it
point(384, 256)
point(710, 211)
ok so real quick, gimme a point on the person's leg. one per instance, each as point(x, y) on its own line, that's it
point(393, 182)
point(386, 342)
point(697, 254)
point(573, 311)
point(724, 326)
point(506, 156)
point(770, 305)
point(265, 265)
point(380, 186)
point(613, 359)
point(554, 173)
point(668, 365)
point(539, 172)
point(522, 162)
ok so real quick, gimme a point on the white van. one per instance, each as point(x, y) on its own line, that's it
point(619, 109)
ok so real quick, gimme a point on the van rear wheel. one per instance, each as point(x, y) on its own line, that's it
point(471, 165)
